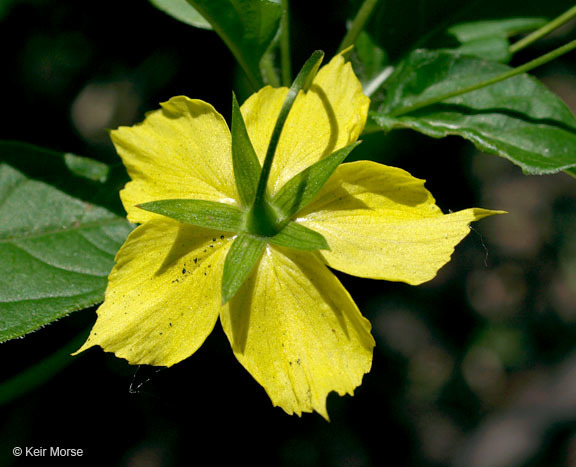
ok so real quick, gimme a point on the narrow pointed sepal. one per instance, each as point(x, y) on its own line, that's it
point(241, 259)
point(246, 164)
point(207, 214)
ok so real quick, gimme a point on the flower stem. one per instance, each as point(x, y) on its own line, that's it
point(358, 24)
point(514, 72)
point(285, 58)
point(39, 373)
point(269, 73)
point(260, 216)
point(544, 30)
point(374, 84)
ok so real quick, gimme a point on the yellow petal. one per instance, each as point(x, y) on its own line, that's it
point(180, 151)
point(163, 295)
point(381, 223)
point(329, 116)
point(297, 331)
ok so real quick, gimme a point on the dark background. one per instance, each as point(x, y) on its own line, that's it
point(475, 368)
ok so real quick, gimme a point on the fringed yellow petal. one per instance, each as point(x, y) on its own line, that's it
point(163, 295)
point(329, 116)
point(182, 150)
point(381, 223)
point(297, 331)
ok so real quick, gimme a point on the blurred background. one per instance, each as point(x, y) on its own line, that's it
point(475, 368)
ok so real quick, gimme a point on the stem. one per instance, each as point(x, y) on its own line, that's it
point(261, 216)
point(544, 30)
point(514, 72)
point(358, 24)
point(269, 73)
point(373, 85)
point(39, 373)
point(286, 62)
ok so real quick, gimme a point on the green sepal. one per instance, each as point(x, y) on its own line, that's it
point(246, 164)
point(240, 260)
point(297, 236)
point(302, 188)
point(209, 214)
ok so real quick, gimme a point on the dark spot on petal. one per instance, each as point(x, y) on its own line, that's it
point(221, 237)
point(183, 270)
point(214, 239)
point(195, 260)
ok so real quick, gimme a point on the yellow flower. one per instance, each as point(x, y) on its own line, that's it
point(292, 325)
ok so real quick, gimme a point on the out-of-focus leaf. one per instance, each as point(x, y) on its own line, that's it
point(489, 40)
point(79, 177)
point(495, 48)
point(182, 11)
point(519, 119)
point(246, 26)
point(507, 27)
point(399, 27)
point(368, 58)
point(57, 246)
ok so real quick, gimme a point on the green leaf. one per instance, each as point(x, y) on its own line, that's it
point(247, 27)
point(240, 260)
point(519, 118)
point(297, 236)
point(57, 246)
point(494, 48)
point(489, 39)
point(208, 214)
point(302, 188)
point(182, 11)
point(507, 27)
point(79, 177)
point(246, 164)
point(400, 27)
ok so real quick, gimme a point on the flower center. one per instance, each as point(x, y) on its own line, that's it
point(262, 220)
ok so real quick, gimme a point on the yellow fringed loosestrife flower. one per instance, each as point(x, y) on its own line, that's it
point(292, 325)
